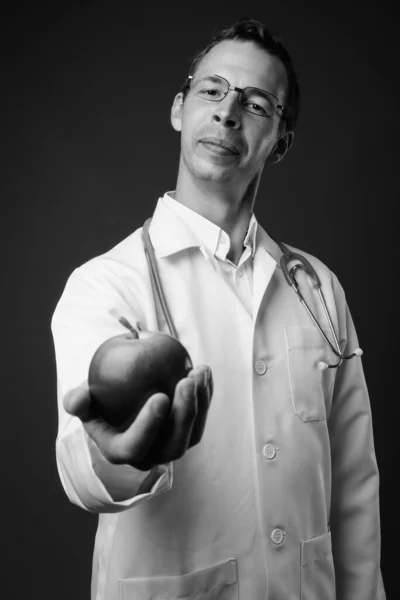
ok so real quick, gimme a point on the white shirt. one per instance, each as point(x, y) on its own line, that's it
point(215, 245)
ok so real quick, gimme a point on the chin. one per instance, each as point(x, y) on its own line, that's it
point(207, 171)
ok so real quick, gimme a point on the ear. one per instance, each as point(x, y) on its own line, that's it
point(282, 145)
point(176, 112)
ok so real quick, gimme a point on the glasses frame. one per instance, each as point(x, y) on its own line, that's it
point(241, 91)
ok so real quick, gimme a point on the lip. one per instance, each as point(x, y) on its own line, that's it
point(220, 143)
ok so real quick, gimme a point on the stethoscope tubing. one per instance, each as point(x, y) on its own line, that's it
point(155, 277)
point(287, 257)
point(303, 264)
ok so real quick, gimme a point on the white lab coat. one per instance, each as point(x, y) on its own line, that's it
point(279, 501)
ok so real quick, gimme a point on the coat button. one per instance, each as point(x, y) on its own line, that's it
point(277, 536)
point(269, 451)
point(260, 367)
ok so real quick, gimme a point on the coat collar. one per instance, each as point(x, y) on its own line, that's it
point(169, 234)
point(266, 242)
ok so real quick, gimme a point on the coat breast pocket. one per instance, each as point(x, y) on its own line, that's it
point(311, 388)
point(218, 582)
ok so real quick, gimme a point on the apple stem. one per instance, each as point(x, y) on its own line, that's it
point(123, 321)
point(128, 326)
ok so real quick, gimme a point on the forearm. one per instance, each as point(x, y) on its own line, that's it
point(355, 518)
point(96, 485)
point(355, 528)
point(81, 322)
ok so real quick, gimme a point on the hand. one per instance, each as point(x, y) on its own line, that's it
point(159, 434)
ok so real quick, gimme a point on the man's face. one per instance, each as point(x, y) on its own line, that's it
point(251, 138)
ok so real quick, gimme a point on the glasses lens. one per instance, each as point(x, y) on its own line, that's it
point(209, 87)
point(258, 102)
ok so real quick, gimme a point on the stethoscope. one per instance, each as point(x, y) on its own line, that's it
point(287, 257)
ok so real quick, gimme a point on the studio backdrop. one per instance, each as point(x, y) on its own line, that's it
point(88, 149)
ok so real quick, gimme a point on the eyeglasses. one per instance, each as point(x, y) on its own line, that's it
point(215, 88)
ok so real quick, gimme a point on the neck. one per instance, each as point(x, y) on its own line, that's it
point(228, 207)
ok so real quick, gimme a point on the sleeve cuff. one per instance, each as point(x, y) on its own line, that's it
point(94, 484)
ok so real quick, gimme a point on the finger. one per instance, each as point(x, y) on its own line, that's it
point(132, 445)
point(135, 443)
point(198, 373)
point(77, 401)
point(204, 395)
point(176, 435)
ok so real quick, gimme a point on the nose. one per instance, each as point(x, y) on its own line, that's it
point(227, 112)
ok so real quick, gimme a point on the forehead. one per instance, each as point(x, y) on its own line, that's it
point(245, 64)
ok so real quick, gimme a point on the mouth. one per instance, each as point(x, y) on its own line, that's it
point(220, 146)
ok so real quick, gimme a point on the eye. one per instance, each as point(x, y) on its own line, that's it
point(209, 92)
point(258, 103)
point(255, 108)
point(212, 92)
point(208, 88)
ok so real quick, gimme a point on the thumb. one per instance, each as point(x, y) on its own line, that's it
point(77, 401)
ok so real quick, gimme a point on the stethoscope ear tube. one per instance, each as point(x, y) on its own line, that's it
point(155, 277)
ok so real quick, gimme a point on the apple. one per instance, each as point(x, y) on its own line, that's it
point(128, 368)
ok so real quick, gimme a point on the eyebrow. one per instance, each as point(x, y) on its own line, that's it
point(213, 77)
point(216, 77)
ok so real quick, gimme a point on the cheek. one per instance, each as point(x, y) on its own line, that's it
point(265, 144)
point(259, 152)
point(188, 120)
point(194, 122)
point(196, 115)
point(187, 141)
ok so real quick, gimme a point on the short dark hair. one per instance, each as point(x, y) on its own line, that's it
point(249, 30)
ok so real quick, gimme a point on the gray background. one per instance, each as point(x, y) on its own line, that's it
point(84, 160)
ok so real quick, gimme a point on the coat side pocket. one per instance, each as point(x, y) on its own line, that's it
point(317, 569)
point(218, 582)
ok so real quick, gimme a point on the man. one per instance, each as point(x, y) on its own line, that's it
point(270, 490)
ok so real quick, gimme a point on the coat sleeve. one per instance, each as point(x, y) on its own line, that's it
point(80, 323)
point(355, 519)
